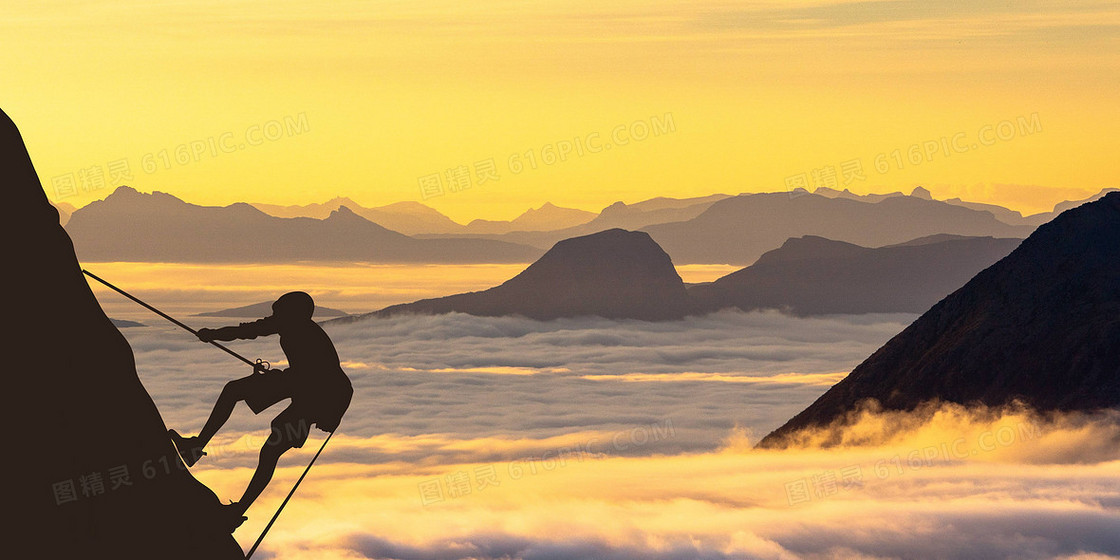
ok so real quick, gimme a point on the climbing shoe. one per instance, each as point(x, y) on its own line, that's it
point(189, 448)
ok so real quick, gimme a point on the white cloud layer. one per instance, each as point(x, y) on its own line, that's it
point(496, 438)
point(957, 483)
point(451, 374)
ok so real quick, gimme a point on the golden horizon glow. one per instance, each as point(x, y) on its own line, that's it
point(383, 94)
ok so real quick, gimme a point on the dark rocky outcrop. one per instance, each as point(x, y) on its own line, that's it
point(1041, 326)
point(91, 472)
point(616, 274)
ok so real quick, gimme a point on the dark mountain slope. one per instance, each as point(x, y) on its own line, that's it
point(1041, 326)
point(91, 472)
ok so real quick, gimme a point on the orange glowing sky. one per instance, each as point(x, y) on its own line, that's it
point(385, 93)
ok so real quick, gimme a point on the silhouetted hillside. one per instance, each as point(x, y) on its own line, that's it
point(132, 226)
point(813, 276)
point(93, 473)
point(739, 230)
point(615, 274)
point(1041, 326)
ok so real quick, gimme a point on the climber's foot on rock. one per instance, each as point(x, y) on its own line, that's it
point(189, 448)
point(233, 516)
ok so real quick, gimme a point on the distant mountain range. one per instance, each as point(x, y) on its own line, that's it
point(133, 226)
point(618, 215)
point(1002, 214)
point(412, 218)
point(738, 230)
point(546, 218)
point(626, 275)
point(1041, 326)
point(716, 229)
point(407, 217)
point(264, 309)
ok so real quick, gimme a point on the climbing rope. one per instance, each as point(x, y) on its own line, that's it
point(260, 539)
point(256, 365)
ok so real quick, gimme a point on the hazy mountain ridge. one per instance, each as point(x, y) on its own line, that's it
point(405, 217)
point(414, 218)
point(548, 217)
point(617, 215)
point(738, 230)
point(264, 309)
point(833, 193)
point(715, 229)
point(158, 227)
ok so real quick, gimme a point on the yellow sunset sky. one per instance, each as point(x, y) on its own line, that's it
point(1012, 103)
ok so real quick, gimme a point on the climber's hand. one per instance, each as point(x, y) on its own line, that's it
point(206, 335)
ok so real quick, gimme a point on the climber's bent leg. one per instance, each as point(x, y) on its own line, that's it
point(234, 392)
point(246, 388)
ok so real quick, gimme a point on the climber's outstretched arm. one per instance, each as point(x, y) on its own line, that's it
point(260, 327)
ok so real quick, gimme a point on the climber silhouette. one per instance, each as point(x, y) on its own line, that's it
point(320, 391)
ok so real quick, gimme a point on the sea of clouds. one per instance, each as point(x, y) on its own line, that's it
point(466, 376)
point(497, 438)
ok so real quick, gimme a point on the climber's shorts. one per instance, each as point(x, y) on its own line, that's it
point(319, 398)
